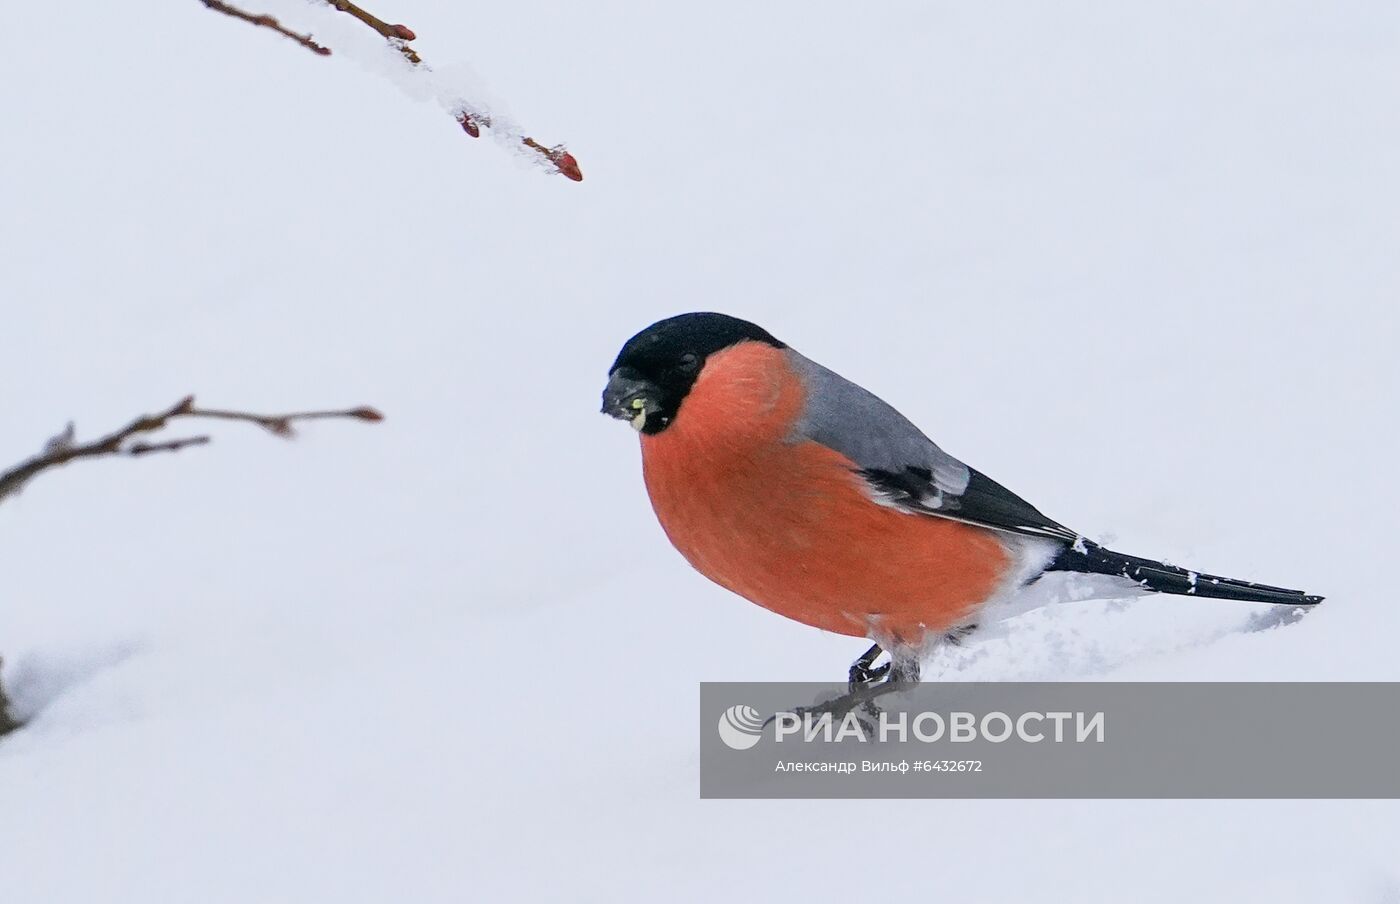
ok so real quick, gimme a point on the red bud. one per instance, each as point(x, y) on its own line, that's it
point(567, 164)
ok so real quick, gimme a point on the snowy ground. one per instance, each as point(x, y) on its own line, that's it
point(1136, 262)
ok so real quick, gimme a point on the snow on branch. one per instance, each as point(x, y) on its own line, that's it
point(468, 116)
point(131, 440)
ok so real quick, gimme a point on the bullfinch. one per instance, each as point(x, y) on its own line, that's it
point(800, 491)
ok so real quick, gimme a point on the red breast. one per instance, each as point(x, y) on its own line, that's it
point(787, 523)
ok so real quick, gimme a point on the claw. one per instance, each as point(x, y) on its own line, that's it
point(864, 670)
point(867, 675)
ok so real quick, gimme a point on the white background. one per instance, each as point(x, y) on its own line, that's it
point(1136, 261)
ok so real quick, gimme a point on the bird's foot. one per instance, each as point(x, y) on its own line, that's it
point(899, 670)
point(864, 671)
point(860, 702)
point(863, 675)
point(866, 683)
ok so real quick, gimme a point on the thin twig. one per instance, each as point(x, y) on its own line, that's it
point(398, 36)
point(266, 21)
point(281, 424)
point(170, 445)
point(62, 449)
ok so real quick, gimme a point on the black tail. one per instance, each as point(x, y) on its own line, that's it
point(1091, 558)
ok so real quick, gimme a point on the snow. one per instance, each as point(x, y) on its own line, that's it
point(1135, 262)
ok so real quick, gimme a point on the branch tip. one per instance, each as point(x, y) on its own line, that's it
point(567, 165)
point(563, 161)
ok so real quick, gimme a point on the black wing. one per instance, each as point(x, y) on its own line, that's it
point(984, 502)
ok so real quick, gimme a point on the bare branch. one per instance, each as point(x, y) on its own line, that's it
point(281, 424)
point(62, 449)
point(266, 21)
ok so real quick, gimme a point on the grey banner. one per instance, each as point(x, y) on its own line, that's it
point(1054, 740)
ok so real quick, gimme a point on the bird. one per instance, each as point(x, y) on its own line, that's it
point(799, 490)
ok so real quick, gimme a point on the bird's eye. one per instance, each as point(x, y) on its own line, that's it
point(689, 363)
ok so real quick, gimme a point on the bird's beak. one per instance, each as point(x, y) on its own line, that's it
point(630, 398)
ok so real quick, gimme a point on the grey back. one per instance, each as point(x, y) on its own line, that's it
point(868, 430)
point(902, 468)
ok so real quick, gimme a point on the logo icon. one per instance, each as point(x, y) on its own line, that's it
point(740, 727)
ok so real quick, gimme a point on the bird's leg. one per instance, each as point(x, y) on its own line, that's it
point(864, 671)
point(904, 669)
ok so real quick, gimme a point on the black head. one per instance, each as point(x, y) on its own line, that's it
point(656, 368)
